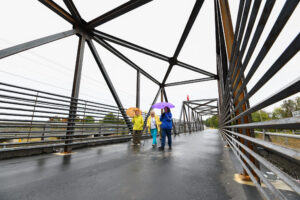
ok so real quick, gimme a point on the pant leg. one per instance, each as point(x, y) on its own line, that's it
point(163, 134)
point(139, 133)
point(154, 134)
point(134, 137)
point(169, 134)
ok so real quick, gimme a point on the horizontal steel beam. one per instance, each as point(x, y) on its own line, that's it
point(200, 100)
point(124, 58)
point(112, 14)
point(212, 109)
point(285, 123)
point(190, 81)
point(283, 176)
point(290, 153)
point(35, 43)
point(279, 134)
point(241, 155)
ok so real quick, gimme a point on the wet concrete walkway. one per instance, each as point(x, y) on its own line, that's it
point(198, 167)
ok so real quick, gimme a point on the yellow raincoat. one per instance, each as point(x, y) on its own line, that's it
point(138, 123)
point(158, 122)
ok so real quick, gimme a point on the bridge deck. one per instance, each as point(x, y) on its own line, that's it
point(196, 168)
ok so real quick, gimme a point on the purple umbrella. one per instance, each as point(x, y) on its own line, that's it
point(162, 105)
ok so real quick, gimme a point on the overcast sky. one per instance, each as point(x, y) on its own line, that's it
point(157, 25)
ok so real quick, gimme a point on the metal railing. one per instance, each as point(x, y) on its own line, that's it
point(36, 119)
point(33, 119)
point(235, 120)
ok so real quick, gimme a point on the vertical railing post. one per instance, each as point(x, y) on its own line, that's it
point(74, 95)
point(83, 118)
point(43, 133)
point(138, 88)
point(184, 118)
point(30, 128)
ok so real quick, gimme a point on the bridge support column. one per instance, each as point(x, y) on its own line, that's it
point(138, 88)
point(74, 95)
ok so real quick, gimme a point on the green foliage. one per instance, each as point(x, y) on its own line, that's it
point(259, 116)
point(287, 108)
point(212, 122)
point(297, 100)
point(110, 118)
point(89, 119)
point(277, 113)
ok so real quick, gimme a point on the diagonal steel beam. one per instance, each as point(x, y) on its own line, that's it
point(195, 69)
point(207, 109)
point(73, 10)
point(146, 51)
point(58, 10)
point(188, 26)
point(205, 104)
point(35, 43)
point(130, 45)
point(124, 58)
point(124, 8)
point(190, 81)
point(186, 32)
point(109, 83)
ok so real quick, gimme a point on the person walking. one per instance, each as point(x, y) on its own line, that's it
point(138, 123)
point(166, 127)
point(153, 123)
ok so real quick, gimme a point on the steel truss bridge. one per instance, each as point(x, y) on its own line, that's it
point(46, 115)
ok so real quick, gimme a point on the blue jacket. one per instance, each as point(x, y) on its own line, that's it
point(166, 120)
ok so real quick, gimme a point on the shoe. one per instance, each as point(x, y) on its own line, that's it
point(170, 148)
point(161, 148)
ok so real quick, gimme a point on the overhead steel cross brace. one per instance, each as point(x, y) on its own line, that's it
point(87, 30)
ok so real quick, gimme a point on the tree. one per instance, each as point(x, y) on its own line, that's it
point(288, 106)
point(212, 121)
point(277, 113)
point(297, 103)
point(110, 118)
point(260, 116)
point(89, 119)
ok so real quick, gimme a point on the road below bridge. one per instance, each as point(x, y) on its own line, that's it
point(198, 167)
